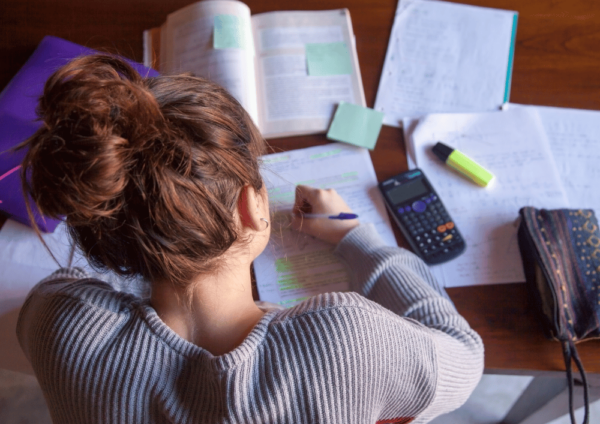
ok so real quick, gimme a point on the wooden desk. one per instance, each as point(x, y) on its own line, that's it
point(557, 63)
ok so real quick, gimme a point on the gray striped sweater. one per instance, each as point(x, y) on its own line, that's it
point(395, 351)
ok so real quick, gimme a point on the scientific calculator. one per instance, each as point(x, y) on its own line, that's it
point(422, 217)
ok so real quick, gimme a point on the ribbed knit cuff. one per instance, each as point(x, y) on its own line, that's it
point(359, 240)
point(366, 255)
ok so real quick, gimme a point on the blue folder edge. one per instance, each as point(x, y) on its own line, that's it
point(511, 57)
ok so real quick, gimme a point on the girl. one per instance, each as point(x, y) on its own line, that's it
point(159, 178)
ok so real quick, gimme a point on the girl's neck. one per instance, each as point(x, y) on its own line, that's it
point(218, 314)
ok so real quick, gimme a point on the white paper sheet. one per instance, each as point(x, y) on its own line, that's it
point(24, 261)
point(445, 57)
point(513, 146)
point(574, 137)
point(295, 266)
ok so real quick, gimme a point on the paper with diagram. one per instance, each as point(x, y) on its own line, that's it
point(513, 146)
point(446, 57)
point(295, 266)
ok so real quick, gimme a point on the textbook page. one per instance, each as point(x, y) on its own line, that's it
point(574, 136)
point(295, 266)
point(511, 145)
point(187, 46)
point(290, 101)
point(446, 57)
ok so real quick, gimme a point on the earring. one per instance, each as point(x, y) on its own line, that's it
point(262, 219)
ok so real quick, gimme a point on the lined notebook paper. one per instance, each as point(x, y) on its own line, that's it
point(446, 57)
point(295, 266)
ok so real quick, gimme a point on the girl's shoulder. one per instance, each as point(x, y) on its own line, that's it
point(350, 306)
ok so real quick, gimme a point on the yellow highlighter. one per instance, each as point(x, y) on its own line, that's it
point(463, 164)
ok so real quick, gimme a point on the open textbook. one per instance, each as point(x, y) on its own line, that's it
point(295, 266)
point(288, 69)
point(513, 146)
point(446, 57)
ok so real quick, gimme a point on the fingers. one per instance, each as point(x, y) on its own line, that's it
point(305, 198)
point(320, 201)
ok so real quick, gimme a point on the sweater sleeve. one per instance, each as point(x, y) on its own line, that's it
point(401, 282)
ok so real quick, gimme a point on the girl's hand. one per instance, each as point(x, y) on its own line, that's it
point(314, 200)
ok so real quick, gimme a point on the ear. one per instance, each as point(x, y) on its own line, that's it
point(250, 208)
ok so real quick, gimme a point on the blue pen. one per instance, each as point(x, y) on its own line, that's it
point(341, 215)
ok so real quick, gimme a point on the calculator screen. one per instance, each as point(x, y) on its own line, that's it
point(407, 191)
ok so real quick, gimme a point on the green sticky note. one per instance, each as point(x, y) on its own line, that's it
point(229, 32)
point(328, 59)
point(356, 125)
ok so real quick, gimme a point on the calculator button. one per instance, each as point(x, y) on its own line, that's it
point(441, 228)
point(400, 210)
point(407, 208)
point(447, 238)
point(450, 225)
point(419, 206)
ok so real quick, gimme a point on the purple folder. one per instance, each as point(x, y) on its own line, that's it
point(18, 120)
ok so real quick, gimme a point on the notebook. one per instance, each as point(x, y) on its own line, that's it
point(295, 266)
point(446, 57)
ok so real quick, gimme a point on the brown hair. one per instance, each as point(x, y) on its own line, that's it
point(147, 171)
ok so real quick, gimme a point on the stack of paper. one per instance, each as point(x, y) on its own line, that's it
point(542, 157)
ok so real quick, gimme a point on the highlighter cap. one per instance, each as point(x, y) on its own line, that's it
point(442, 151)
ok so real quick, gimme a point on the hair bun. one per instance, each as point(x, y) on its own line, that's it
point(97, 115)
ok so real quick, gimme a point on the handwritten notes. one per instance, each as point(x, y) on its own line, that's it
point(574, 137)
point(512, 145)
point(446, 57)
point(295, 266)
